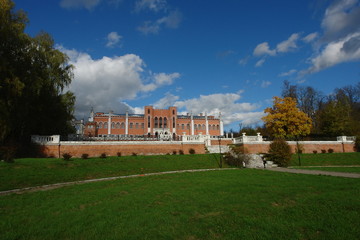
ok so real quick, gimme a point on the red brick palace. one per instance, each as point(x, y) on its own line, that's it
point(162, 123)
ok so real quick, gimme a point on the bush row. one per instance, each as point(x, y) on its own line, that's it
point(67, 156)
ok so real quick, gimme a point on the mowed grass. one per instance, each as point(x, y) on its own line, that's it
point(232, 204)
point(326, 159)
point(40, 171)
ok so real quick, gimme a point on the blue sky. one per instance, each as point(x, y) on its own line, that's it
point(212, 56)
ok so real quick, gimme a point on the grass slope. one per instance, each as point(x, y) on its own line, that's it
point(39, 171)
point(235, 204)
point(326, 159)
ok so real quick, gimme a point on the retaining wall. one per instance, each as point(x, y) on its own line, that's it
point(307, 146)
point(95, 149)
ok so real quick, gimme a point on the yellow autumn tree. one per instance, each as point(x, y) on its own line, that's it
point(285, 120)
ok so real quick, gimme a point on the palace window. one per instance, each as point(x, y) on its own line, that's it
point(160, 122)
point(100, 125)
point(131, 125)
point(165, 122)
point(105, 125)
point(182, 126)
point(136, 125)
point(122, 126)
point(117, 125)
point(156, 122)
point(188, 126)
point(112, 125)
point(173, 122)
point(149, 121)
point(142, 125)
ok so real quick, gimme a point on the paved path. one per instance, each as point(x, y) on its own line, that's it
point(59, 185)
point(315, 172)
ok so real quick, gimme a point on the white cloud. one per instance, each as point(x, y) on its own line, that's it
point(172, 21)
point(260, 62)
point(244, 60)
point(265, 84)
point(227, 104)
point(113, 39)
point(341, 19)
point(310, 37)
point(263, 49)
point(289, 44)
point(76, 4)
point(288, 73)
point(152, 5)
point(167, 101)
point(344, 50)
point(104, 83)
point(165, 79)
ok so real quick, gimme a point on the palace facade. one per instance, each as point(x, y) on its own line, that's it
point(160, 123)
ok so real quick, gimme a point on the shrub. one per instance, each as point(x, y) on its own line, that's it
point(7, 153)
point(181, 152)
point(118, 154)
point(134, 154)
point(66, 156)
point(192, 151)
point(330, 150)
point(357, 143)
point(174, 152)
point(323, 151)
point(315, 152)
point(103, 155)
point(279, 152)
point(167, 154)
point(85, 156)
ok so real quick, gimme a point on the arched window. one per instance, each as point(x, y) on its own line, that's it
point(182, 126)
point(217, 127)
point(209, 127)
point(173, 112)
point(100, 125)
point(199, 126)
point(165, 122)
point(203, 127)
point(105, 125)
point(156, 122)
point(117, 125)
point(195, 126)
point(160, 122)
point(148, 121)
point(131, 125)
point(142, 125)
point(188, 126)
point(136, 125)
point(173, 122)
point(148, 111)
point(122, 126)
point(112, 125)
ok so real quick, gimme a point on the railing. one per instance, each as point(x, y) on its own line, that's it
point(346, 138)
point(45, 139)
point(244, 139)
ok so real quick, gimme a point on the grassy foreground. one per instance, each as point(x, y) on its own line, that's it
point(326, 159)
point(40, 171)
point(232, 204)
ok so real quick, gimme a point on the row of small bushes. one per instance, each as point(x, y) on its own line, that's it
point(330, 150)
point(67, 156)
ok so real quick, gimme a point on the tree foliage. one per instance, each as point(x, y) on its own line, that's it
point(285, 120)
point(33, 76)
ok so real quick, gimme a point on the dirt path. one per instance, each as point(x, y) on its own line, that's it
point(59, 185)
point(315, 172)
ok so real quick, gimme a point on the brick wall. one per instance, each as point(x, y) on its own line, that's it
point(308, 147)
point(111, 149)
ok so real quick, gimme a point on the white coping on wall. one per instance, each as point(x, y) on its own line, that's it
point(89, 143)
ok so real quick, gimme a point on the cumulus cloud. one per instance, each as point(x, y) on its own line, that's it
point(152, 5)
point(289, 44)
point(341, 40)
point(104, 83)
point(341, 19)
point(263, 49)
point(171, 21)
point(76, 4)
point(113, 39)
point(225, 103)
point(310, 37)
point(167, 101)
point(344, 50)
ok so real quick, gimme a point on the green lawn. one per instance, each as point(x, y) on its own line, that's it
point(326, 159)
point(233, 204)
point(333, 169)
point(34, 171)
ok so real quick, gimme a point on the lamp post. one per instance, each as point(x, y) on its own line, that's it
point(219, 139)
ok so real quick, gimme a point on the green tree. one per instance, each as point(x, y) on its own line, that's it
point(285, 120)
point(33, 76)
